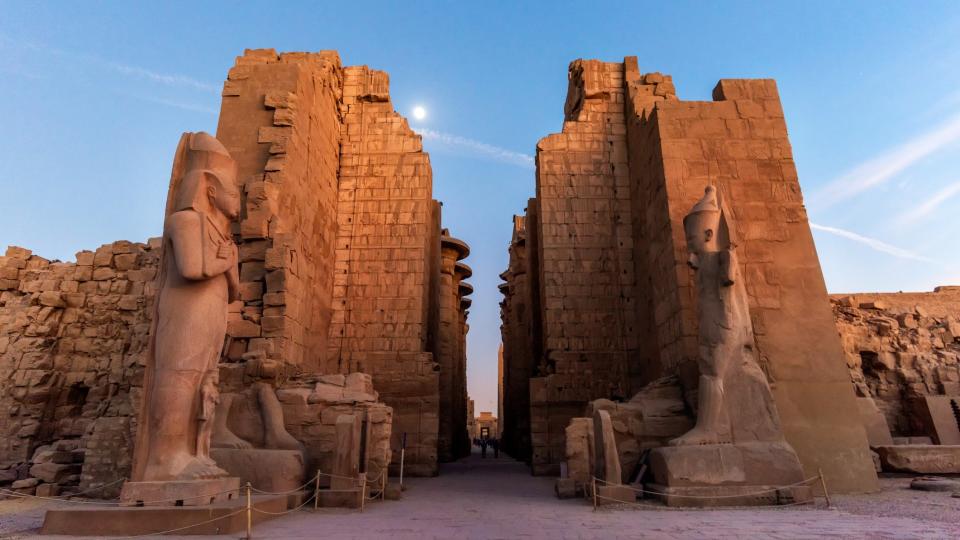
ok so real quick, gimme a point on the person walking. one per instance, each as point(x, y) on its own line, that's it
point(483, 448)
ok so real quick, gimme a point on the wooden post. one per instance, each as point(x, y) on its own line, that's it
point(403, 451)
point(316, 490)
point(594, 489)
point(249, 513)
point(823, 484)
point(363, 490)
point(383, 485)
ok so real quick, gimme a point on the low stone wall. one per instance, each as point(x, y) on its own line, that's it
point(73, 339)
point(901, 347)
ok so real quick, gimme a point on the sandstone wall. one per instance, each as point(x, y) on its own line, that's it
point(387, 252)
point(280, 119)
point(899, 348)
point(73, 338)
point(585, 252)
point(339, 264)
point(739, 143)
point(618, 303)
point(519, 363)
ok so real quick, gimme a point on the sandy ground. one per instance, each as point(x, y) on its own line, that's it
point(490, 498)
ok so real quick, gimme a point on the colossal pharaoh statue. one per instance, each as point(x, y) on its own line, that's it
point(727, 356)
point(737, 447)
point(198, 278)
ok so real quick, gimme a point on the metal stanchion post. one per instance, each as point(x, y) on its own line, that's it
point(249, 512)
point(316, 491)
point(383, 485)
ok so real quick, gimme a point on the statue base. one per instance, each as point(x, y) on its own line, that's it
point(745, 474)
point(270, 470)
point(227, 517)
point(180, 492)
point(615, 495)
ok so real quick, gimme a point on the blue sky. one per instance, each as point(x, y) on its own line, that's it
point(94, 95)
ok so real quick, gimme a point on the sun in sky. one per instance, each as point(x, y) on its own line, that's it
point(419, 112)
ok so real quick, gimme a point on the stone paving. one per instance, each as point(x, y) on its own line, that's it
point(497, 498)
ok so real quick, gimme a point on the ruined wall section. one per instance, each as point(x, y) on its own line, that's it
point(73, 344)
point(585, 252)
point(900, 348)
point(739, 143)
point(665, 334)
point(280, 120)
point(519, 363)
point(386, 254)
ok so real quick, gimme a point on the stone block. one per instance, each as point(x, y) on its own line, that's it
point(878, 434)
point(266, 469)
point(920, 458)
point(615, 495)
point(48, 490)
point(565, 488)
point(180, 493)
point(54, 473)
point(755, 473)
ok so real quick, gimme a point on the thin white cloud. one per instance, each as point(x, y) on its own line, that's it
point(163, 78)
point(927, 207)
point(168, 79)
point(882, 168)
point(872, 243)
point(479, 148)
point(173, 103)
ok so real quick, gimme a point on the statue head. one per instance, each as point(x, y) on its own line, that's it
point(702, 225)
point(204, 177)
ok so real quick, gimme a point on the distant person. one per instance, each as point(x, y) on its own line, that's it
point(495, 443)
point(483, 448)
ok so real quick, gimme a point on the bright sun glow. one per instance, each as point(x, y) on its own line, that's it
point(419, 112)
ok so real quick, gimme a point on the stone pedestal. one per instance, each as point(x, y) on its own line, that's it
point(219, 518)
point(347, 497)
point(275, 471)
point(756, 473)
point(615, 495)
point(180, 493)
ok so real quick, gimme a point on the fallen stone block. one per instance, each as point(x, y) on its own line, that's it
point(920, 458)
point(565, 488)
point(48, 490)
point(54, 473)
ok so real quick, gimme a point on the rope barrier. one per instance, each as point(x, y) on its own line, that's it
point(660, 507)
point(294, 490)
point(111, 503)
point(309, 499)
point(771, 490)
point(189, 526)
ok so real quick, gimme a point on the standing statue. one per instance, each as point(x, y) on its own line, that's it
point(198, 278)
point(735, 403)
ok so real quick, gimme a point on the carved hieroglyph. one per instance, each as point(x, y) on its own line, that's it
point(198, 278)
point(735, 403)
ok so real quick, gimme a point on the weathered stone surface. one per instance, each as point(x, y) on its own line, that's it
point(878, 433)
point(606, 459)
point(270, 470)
point(920, 458)
point(605, 278)
point(902, 367)
point(322, 289)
